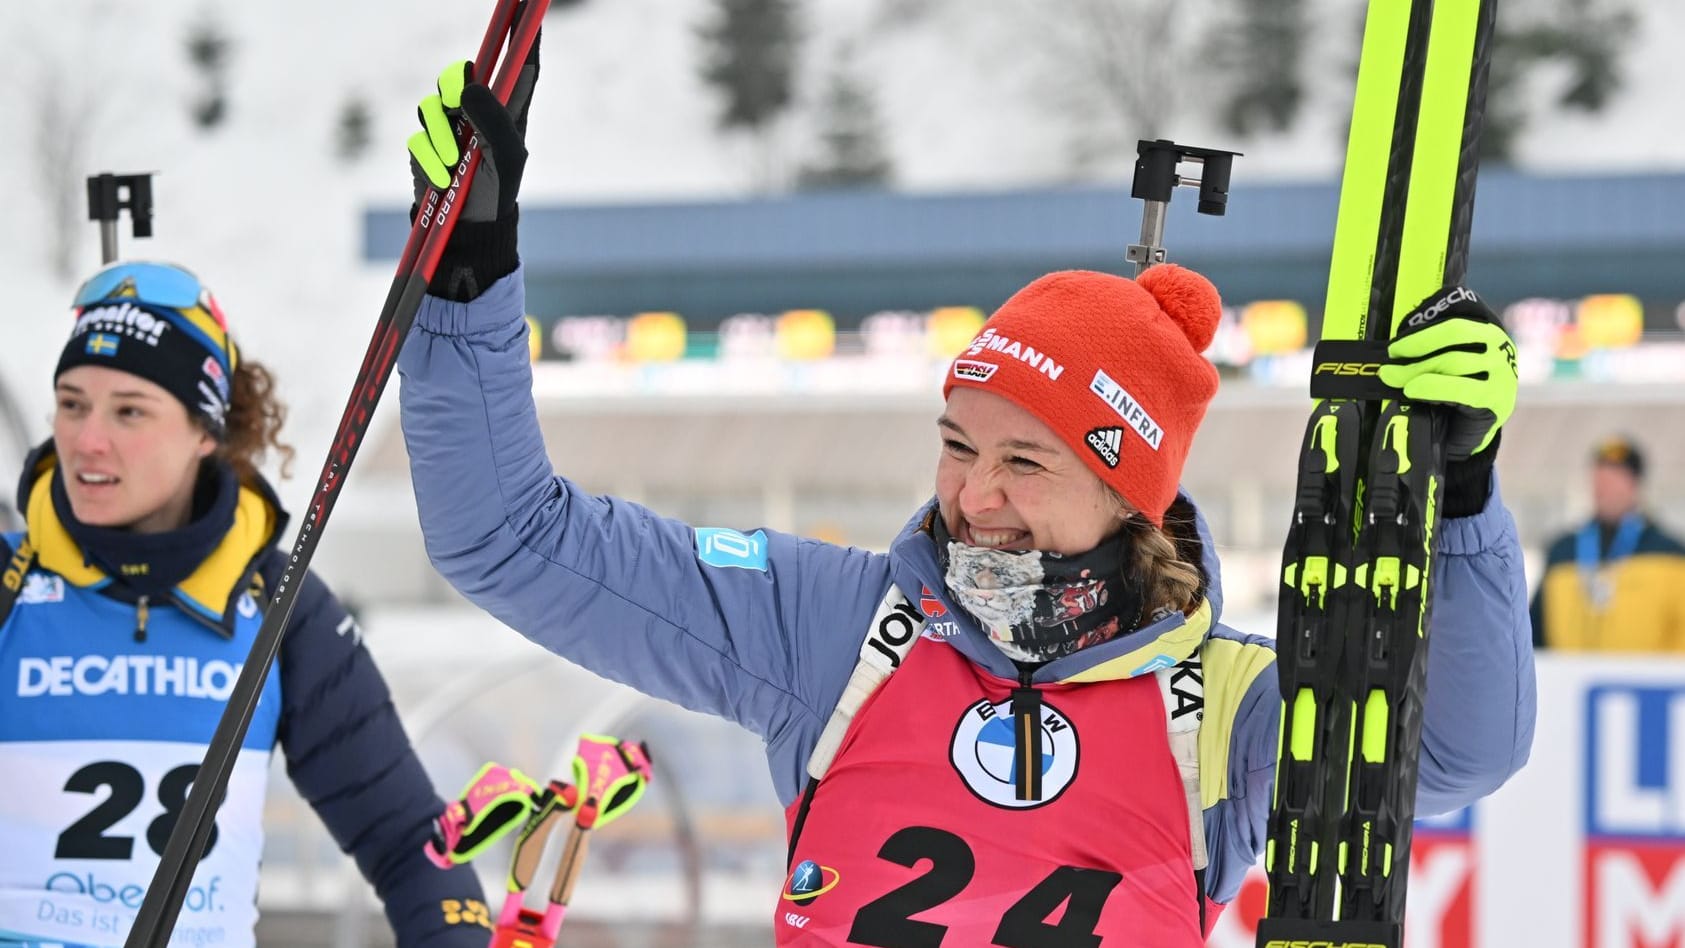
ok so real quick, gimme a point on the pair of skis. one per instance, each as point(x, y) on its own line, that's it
point(509, 37)
point(1353, 619)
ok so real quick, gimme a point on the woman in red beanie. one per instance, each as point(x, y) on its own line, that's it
point(1023, 725)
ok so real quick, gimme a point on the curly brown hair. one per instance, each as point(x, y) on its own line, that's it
point(255, 417)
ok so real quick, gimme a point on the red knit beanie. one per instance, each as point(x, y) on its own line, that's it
point(1112, 365)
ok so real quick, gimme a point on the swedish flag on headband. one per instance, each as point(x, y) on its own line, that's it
point(101, 344)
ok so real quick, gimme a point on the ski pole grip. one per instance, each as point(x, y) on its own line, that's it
point(567, 874)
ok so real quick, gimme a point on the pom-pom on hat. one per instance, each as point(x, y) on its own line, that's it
point(1112, 365)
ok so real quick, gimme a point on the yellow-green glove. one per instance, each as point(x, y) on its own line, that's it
point(1453, 351)
point(502, 132)
point(483, 244)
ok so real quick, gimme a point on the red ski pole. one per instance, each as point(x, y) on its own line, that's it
point(519, 23)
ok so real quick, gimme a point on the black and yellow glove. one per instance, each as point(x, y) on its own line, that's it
point(1452, 350)
point(482, 246)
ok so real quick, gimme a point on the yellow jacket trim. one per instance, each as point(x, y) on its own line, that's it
point(208, 589)
point(1230, 669)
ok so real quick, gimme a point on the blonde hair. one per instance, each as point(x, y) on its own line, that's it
point(1167, 559)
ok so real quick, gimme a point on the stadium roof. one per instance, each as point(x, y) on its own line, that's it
point(1513, 212)
point(856, 253)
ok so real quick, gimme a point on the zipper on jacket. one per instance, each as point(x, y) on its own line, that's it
point(1026, 729)
point(141, 612)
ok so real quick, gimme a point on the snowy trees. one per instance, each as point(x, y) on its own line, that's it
point(1258, 53)
point(750, 52)
point(1580, 43)
point(210, 53)
point(852, 152)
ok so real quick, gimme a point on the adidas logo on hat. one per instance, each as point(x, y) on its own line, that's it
point(1106, 442)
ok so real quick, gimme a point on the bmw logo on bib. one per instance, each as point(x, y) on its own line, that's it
point(985, 754)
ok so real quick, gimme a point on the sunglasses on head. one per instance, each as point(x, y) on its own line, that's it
point(158, 284)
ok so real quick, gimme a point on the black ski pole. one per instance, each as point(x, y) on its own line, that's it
point(519, 23)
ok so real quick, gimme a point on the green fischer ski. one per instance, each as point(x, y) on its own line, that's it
point(1353, 618)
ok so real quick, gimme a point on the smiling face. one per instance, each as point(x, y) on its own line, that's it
point(128, 450)
point(1005, 481)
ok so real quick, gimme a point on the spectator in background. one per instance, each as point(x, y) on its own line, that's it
point(1617, 584)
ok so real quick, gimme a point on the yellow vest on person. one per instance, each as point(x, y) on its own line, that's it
point(1634, 604)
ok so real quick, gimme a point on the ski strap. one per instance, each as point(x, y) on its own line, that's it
point(494, 802)
point(611, 776)
point(1184, 711)
point(894, 628)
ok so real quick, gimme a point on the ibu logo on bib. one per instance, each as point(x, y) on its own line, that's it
point(985, 752)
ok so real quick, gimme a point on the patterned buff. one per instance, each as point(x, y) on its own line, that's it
point(1038, 606)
